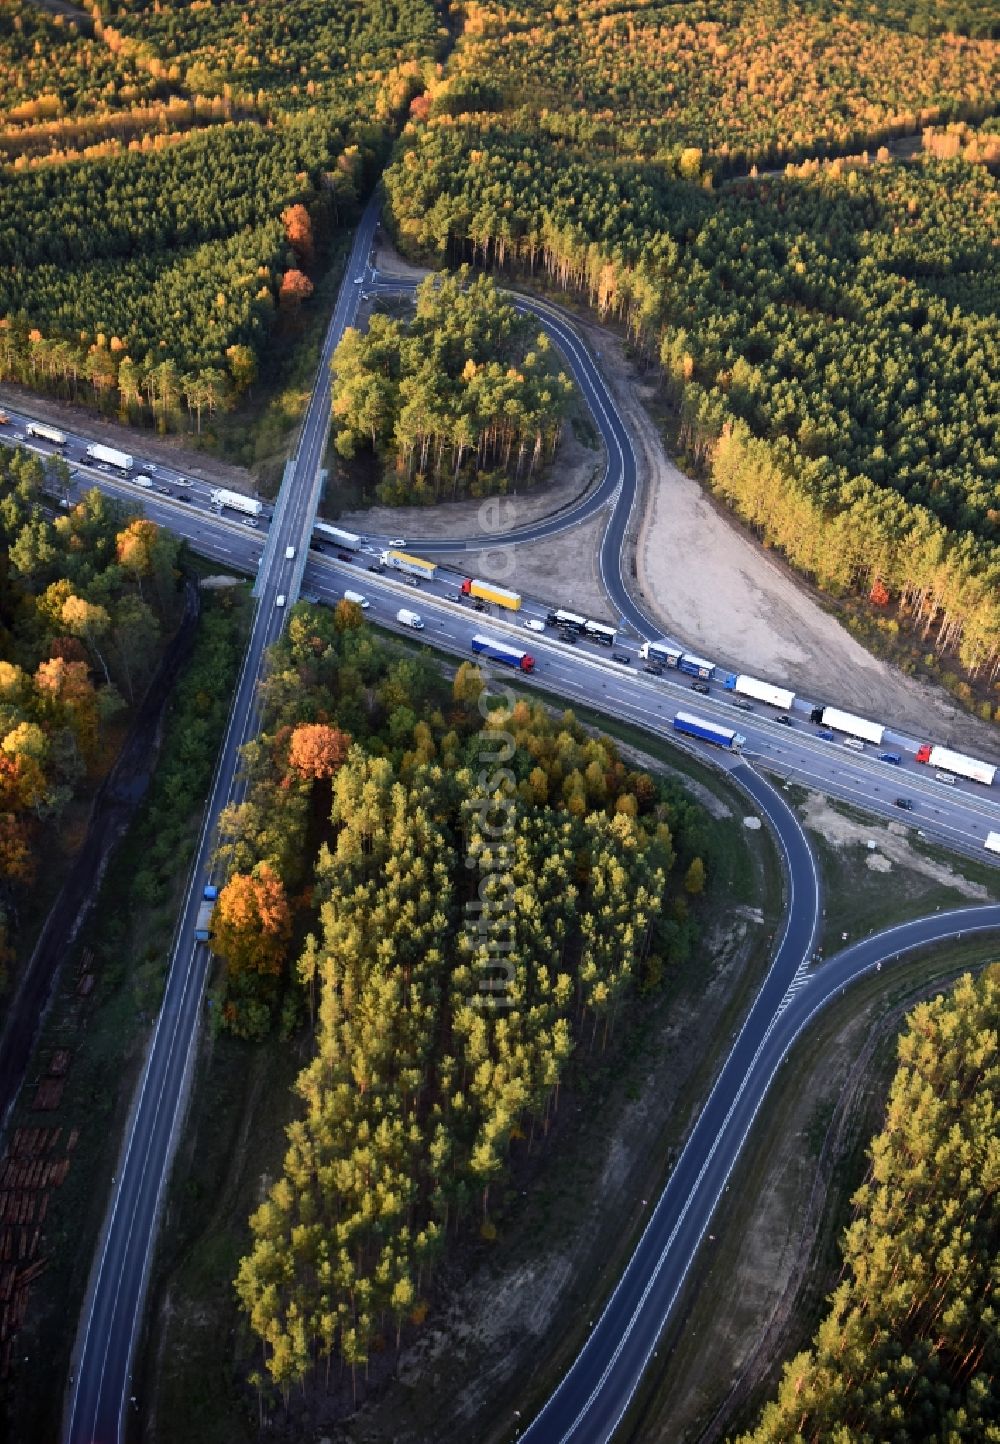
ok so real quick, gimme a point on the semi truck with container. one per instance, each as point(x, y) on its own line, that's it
point(957, 762)
point(203, 922)
point(992, 843)
point(348, 540)
point(406, 618)
point(745, 686)
point(859, 727)
point(110, 456)
point(237, 501)
point(408, 565)
point(41, 432)
point(706, 731)
point(487, 592)
point(502, 652)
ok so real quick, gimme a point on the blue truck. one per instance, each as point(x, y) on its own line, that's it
point(502, 652)
point(706, 731)
point(203, 923)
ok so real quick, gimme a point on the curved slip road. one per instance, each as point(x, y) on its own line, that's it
point(591, 1401)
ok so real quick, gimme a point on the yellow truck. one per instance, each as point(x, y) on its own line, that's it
point(487, 592)
point(408, 565)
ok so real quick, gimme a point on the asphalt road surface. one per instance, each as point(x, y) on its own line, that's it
point(597, 1390)
point(100, 1397)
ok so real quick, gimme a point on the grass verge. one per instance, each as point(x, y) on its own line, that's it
point(103, 1023)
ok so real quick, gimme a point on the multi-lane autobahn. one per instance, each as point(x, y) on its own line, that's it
point(597, 1390)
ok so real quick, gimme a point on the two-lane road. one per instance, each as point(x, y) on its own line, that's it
point(112, 1315)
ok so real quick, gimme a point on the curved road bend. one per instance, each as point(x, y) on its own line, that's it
point(618, 486)
point(593, 1397)
point(112, 1313)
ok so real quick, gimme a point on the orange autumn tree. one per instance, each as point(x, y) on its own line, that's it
point(295, 287)
point(317, 750)
point(299, 232)
point(252, 924)
point(135, 547)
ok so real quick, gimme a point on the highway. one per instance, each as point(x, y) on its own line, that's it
point(99, 1399)
point(597, 1390)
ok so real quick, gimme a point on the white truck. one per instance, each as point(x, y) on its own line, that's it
point(358, 598)
point(406, 618)
point(992, 843)
point(971, 767)
point(41, 432)
point(859, 727)
point(110, 456)
point(249, 505)
point(745, 686)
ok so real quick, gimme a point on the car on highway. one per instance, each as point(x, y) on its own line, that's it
point(904, 803)
point(344, 557)
point(164, 491)
point(279, 600)
point(289, 553)
point(892, 757)
point(701, 687)
point(375, 567)
point(945, 777)
point(398, 541)
point(186, 499)
point(785, 720)
point(568, 635)
point(358, 280)
point(150, 467)
point(654, 669)
point(534, 625)
point(826, 733)
point(249, 521)
point(412, 581)
point(622, 657)
point(358, 598)
point(744, 706)
point(144, 482)
point(479, 607)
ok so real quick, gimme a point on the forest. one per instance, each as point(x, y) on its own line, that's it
point(463, 400)
point(151, 165)
point(86, 600)
point(827, 337)
point(454, 891)
point(909, 1348)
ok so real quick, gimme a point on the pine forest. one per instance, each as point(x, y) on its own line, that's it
point(825, 329)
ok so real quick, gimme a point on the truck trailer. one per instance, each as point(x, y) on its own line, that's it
point(761, 691)
point(203, 922)
point(847, 722)
point(696, 666)
point(706, 731)
point(502, 652)
point(110, 456)
point(958, 763)
point(348, 540)
point(410, 566)
point(41, 432)
point(661, 652)
point(571, 620)
point(249, 505)
point(487, 592)
point(992, 843)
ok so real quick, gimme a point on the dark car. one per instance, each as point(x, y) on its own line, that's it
point(904, 803)
point(893, 757)
point(622, 657)
point(164, 491)
point(567, 635)
point(784, 719)
point(375, 566)
point(701, 687)
point(744, 706)
point(826, 733)
point(480, 606)
point(344, 557)
point(187, 499)
point(654, 668)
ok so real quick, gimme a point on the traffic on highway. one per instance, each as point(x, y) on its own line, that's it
point(433, 593)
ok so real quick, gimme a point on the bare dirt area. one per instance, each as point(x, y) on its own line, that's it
point(714, 587)
point(894, 850)
point(169, 450)
point(574, 471)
